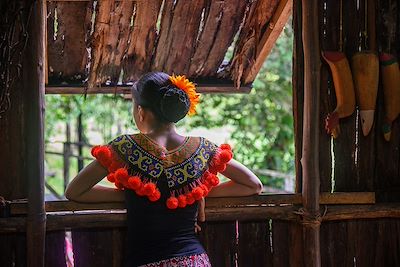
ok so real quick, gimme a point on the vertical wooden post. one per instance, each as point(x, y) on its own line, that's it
point(80, 142)
point(310, 150)
point(67, 154)
point(34, 88)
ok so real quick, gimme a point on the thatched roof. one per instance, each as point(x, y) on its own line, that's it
point(93, 43)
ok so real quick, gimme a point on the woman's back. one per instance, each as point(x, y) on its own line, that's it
point(155, 231)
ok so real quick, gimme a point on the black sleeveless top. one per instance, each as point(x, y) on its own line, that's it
point(162, 190)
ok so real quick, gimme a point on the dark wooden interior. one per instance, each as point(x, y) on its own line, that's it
point(346, 209)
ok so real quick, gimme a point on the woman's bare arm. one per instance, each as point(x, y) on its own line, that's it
point(83, 187)
point(243, 182)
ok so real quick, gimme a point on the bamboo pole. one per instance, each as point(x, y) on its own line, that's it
point(34, 89)
point(310, 149)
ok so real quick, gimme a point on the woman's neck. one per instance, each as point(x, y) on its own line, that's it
point(163, 130)
point(166, 136)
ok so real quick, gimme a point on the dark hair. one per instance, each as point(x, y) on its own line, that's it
point(155, 91)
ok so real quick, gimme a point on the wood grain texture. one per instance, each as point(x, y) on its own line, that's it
point(254, 247)
point(298, 91)
point(101, 30)
point(267, 41)
point(387, 160)
point(265, 200)
point(55, 249)
point(221, 23)
point(142, 40)
point(329, 39)
point(115, 41)
point(256, 23)
point(180, 25)
point(13, 250)
point(345, 145)
point(219, 240)
point(66, 33)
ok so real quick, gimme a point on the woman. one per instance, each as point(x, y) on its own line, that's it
point(162, 176)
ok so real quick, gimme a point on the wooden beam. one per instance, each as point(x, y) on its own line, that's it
point(34, 87)
point(310, 150)
point(20, 207)
point(276, 25)
point(112, 219)
point(126, 90)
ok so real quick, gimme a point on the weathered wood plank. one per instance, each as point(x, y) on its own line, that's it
point(219, 240)
point(254, 247)
point(34, 87)
point(13, 250)
point(334, 240)
point(126, 90)
point(179, 30)
point(115, 41)
point(20, 207)
point(101, 29)
point(98, 247)
point(345, 145)
point(267, 41)
point(298, 91)
point(221, 22)
point(67, 29)
point(311, 133)
point(387, 172)
point(280, 243)
point(142, 39)
point(296, 257)
point(55, 249)
point(329, 39)
point(256, 23)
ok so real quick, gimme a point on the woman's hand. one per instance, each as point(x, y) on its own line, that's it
point(243, 182)
point(83, 187)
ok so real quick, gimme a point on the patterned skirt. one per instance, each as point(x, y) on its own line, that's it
point(199, 260)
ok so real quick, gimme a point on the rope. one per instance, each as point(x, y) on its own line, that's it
point(312, 220)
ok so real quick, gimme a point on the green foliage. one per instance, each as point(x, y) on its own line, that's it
point(262, 121)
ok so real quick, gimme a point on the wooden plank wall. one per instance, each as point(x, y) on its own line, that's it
point(361, 243)
point(354, 162)
point(228, 243)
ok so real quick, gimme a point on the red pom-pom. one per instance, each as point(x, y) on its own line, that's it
point(114, 166)
point(103, 154)
point(225, 156)
point(205, 190)
point(219, 166)
point(209, 177)
point(190, 199)
point(149, 188)
point(140, 191)
point(214, 181)
point(212, 169)
point(207, 184)
point(197, 193)
point(172, 203)
point(182, 201)
point(134, 182)
point(111, 177)
point(119, 185)
point(94, 151)
point(121, 175)
point(155, 196)
point(225, 147)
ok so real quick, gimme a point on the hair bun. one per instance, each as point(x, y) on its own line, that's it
point(174, 104)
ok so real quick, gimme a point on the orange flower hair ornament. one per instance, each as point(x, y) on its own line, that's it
point(189, 88)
